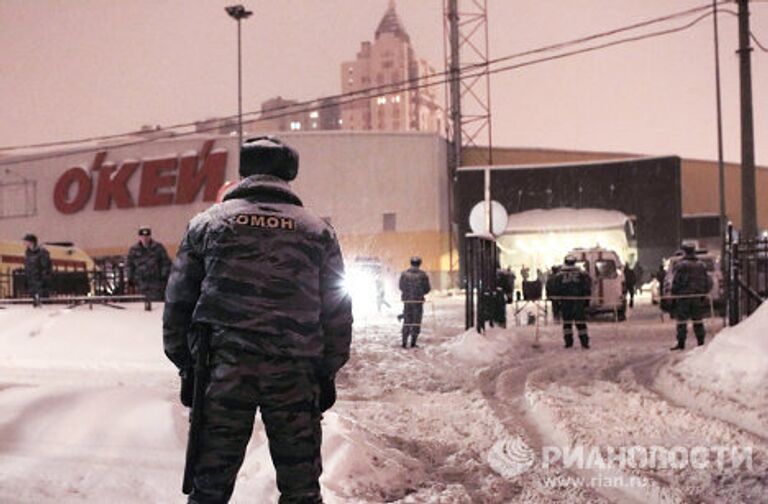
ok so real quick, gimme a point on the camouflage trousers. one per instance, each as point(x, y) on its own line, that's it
point(287, 393)
point(413, 312)
point(690, 309)
point(574, 313)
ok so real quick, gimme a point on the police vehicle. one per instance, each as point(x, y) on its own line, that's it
point(606, 270)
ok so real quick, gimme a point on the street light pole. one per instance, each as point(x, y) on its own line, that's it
point(238, 13)
point(748, 191)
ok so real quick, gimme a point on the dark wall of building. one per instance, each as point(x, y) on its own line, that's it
point(647, 190)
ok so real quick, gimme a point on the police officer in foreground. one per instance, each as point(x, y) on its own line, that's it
point(37, 269)
point(569, 284)
point(265, 276)
point(414, 285)
point(148, 265)
point(689, 278)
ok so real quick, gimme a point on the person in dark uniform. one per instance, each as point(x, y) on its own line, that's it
point(689, 278)
point(37, 269)
point(569, 283)
point(631, 284)
point(639, 274)
point(505, 294)
point(414, 285)
point(148, 265)
point(266, 275)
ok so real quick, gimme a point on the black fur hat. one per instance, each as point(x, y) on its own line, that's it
point(267, 155)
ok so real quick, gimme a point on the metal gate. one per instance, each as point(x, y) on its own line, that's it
point(481, 260)
point(747, 275)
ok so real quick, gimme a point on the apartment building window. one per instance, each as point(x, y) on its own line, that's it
point(390, 221)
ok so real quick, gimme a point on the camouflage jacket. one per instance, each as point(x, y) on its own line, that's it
point(37, 268)
point(569, 281)
point(690, 277)
point(414, 284)
point(265, 266)
point(148, 265)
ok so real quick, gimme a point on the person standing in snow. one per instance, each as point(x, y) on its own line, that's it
point(265, 277)
point(639, 273)
point(569, 284)
point(37, 269)
point(689, 278)
point(630, 281)
point(148, 265)
point(414, 285)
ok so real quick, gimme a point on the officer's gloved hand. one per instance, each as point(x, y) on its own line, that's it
point(327, 392)
point(187, 386)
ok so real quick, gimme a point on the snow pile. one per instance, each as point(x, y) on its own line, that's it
point(102, 338)
point(738, 356)
point(728, 378)
point(481, 349)
point(356, 463)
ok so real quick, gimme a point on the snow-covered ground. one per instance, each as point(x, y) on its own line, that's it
point(89, 413)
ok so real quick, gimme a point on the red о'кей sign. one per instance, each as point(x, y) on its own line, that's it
point(175, 180)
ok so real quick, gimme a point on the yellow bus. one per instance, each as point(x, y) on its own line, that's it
point(66, 261)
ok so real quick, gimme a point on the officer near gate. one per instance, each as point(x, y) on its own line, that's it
point(569, 284)
point(37, 269)
point(690, 278)
point(414, 285)
point(148, 265)
point(258, 280)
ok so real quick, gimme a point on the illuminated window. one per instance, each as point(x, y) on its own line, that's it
point(295, 125)
point(396, 99)
point(314, 114)
point(381, 100)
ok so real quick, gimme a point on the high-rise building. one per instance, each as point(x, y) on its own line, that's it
point(389, 65)
point(280, 114)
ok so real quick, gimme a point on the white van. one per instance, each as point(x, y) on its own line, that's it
point(606, 270)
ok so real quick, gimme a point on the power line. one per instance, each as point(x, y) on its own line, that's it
point(296, 107)
point(751, 33)
point(757, 42)
point(349, 100)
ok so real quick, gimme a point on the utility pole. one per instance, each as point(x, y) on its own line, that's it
point(720, 162)
point(238, 13)
point(451, 24)
point(748, 191)
point(455, 81)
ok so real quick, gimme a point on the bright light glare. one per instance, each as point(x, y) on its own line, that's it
point(361, 286)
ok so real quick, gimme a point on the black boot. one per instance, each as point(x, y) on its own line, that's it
point(682, 335)
point(700, 332)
